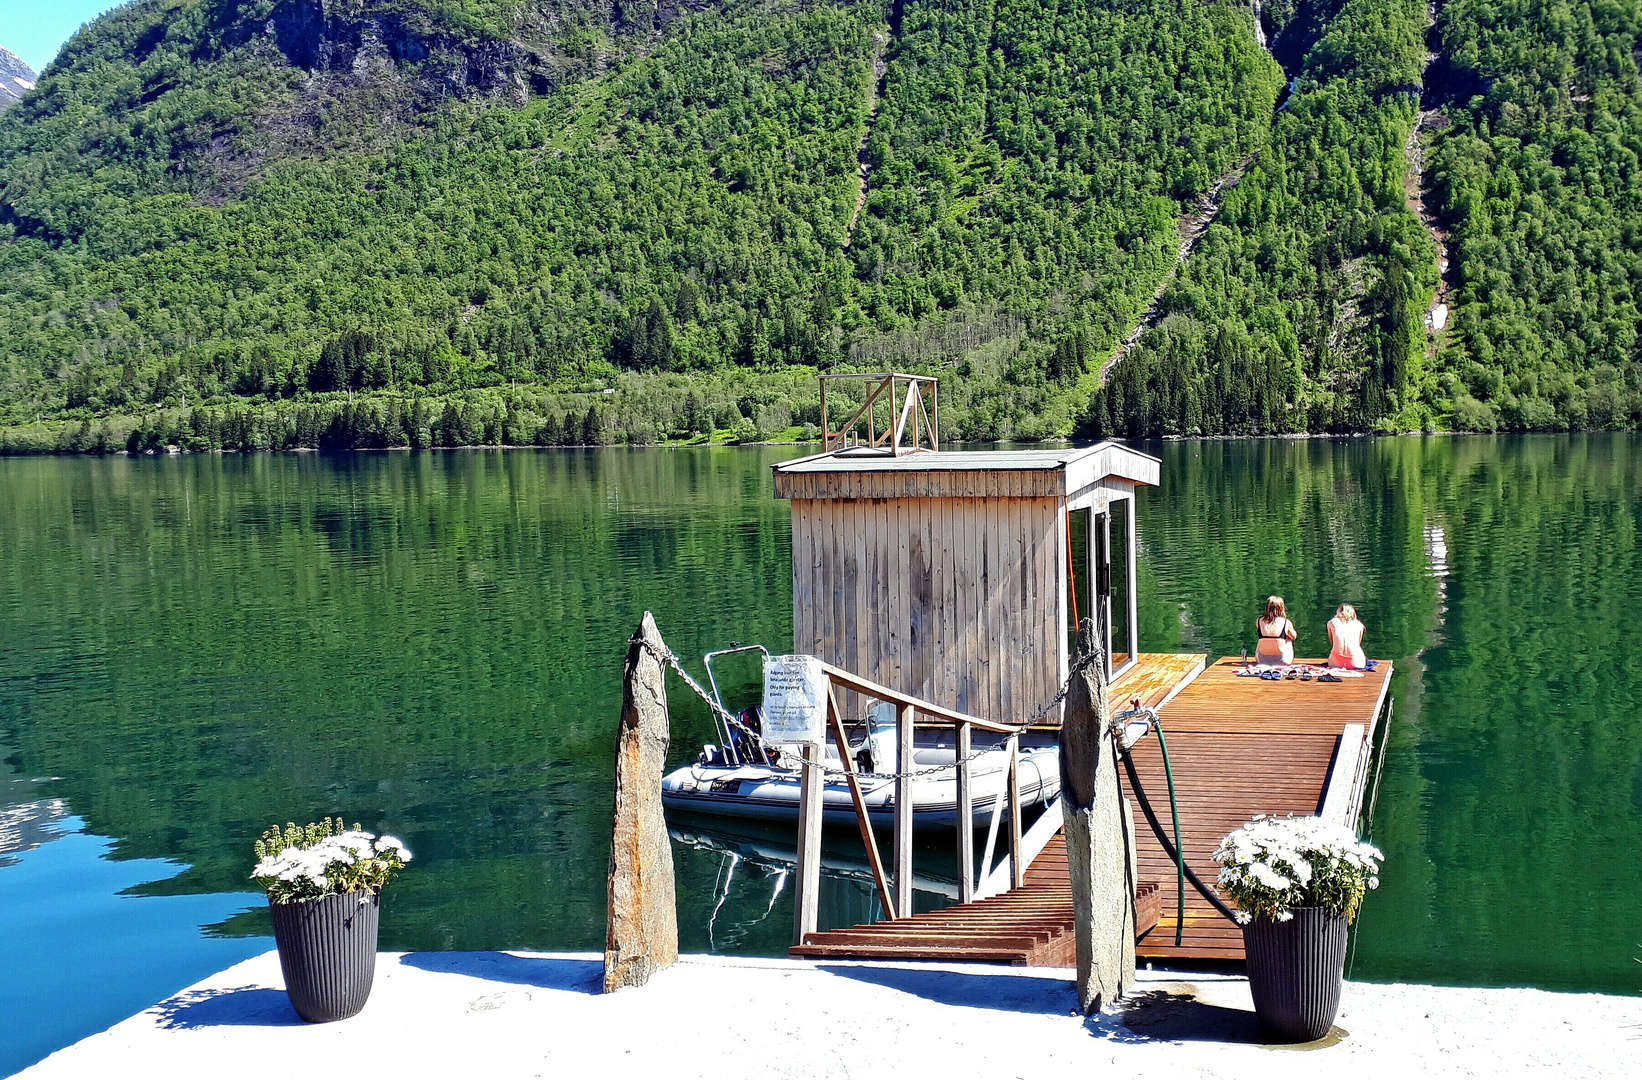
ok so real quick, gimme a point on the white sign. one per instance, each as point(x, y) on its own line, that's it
point(795, 700)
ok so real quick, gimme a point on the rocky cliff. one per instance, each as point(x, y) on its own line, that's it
point(16, 79)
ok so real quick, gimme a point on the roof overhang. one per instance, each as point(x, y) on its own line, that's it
point(860, 473)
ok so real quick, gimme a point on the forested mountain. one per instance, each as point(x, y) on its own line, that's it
point(376, 222)
point(1538, 177)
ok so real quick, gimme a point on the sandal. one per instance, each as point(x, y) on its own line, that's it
point(1326, 677)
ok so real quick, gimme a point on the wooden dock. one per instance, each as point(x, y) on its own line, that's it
point(1239, 746)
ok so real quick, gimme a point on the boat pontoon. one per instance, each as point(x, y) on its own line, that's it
point(745, 777)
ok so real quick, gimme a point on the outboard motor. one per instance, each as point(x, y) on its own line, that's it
point(880, 742)
point(749, 743)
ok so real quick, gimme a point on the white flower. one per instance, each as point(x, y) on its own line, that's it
point(392, 843)
point(1285, 915)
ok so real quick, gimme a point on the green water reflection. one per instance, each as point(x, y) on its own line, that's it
point(432, 643)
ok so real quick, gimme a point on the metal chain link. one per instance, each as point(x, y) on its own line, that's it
point(668, 658)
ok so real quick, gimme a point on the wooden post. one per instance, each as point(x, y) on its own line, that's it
point(641, 934)
point(903, 812)
point(807, 896)
point(1131, 578)
point(966, 822)
point(1098, 840)
point(1017, 872)
point(998, 801)
point(826, 430)
point(894, 420)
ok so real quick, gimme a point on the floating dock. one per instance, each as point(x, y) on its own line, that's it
point(1241, 746)
point(1238, 746)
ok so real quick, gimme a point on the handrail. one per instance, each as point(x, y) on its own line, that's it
point(883, 693)
point(913, 406)
point(895, 889)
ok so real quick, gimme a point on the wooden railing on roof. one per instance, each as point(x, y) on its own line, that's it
point(897, 903)
point(912, 421)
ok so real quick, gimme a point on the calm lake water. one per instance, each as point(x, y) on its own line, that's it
point(193, 648)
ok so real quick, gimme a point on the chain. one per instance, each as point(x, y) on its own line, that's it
point(668, 658)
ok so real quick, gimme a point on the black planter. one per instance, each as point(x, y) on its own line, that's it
point(1295, 972)
point(327, 950)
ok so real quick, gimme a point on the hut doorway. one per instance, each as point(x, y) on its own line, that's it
point(1098, 560)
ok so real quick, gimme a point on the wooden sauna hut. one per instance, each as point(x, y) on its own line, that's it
point(949, 575)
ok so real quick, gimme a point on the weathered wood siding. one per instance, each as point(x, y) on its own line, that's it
point(953, 600)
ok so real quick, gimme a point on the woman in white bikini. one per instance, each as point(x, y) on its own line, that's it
point(1277, 634)
point(1345, 639)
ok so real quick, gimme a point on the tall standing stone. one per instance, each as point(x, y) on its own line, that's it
point(1099, 837)
point(642, 932)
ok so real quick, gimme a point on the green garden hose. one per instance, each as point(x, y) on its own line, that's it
point(1179, 853)
point(1171, 850)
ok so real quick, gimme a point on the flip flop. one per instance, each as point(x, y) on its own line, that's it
point(1306, 675)
point(1326, 677)
point(1292, 675)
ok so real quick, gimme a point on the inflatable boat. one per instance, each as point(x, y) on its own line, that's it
point(743, 777)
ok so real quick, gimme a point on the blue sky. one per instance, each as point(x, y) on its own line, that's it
point(36, 29)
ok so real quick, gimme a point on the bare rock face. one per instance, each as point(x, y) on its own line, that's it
point(347, 37)
point(1099, 839)
point(642, 932)
point(16, 79)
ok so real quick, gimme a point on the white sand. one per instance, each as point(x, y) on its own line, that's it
point(529, 1015)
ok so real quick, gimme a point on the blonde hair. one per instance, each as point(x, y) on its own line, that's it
point(1275, 608)
point(1346, 612)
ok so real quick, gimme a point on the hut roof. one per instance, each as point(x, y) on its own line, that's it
point(868, 473)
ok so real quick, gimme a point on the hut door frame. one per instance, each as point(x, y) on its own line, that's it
point(1131, 586)
point(1100, 567)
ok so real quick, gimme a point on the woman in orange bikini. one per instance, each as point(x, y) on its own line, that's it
point(1277, 634)
point(1345, 639)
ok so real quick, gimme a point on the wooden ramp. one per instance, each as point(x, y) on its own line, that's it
point(1239, 746)
point(1242, 746)
point(1029, 925)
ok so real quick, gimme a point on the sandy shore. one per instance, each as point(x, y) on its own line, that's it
point(530, 1015)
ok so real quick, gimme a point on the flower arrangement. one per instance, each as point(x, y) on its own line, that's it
point(1273, 864)
point(311, 861)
